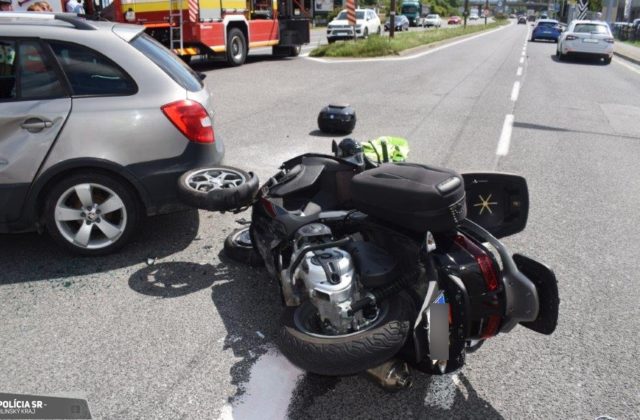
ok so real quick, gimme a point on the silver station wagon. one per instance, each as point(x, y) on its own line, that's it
point(97, 122)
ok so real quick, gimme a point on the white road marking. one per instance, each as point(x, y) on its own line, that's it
point(505, 136)
point(515, 91)
point(403, 58)
point(519, 72)
point(521, 60)
point(524, 53)
point(616, 60)
point(268, 393)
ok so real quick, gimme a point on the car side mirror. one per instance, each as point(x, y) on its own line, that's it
point(498, 202)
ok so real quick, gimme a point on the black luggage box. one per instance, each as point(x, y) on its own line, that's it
point(416, 197)
point(339, 119)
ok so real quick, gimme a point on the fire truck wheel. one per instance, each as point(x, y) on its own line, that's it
point(220, 188)
point(236, 47)
point(295, 51)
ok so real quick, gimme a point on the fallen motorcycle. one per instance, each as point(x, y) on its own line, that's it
point(379, 263)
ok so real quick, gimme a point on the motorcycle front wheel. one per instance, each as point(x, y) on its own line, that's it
point(305, 345)
point(220, 188)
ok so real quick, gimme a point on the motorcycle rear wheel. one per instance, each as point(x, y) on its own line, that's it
point(337, 355)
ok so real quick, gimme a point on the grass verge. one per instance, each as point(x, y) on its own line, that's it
point(377, 46)
point(634, 43)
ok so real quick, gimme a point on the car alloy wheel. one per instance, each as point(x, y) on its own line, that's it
point(91, 214)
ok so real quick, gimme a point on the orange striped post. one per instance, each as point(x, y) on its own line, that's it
point(351, 15)
point(193, 10)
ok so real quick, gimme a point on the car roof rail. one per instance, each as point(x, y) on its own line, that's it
point(71, 18)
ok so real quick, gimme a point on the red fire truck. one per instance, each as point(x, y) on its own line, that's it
point(215, 28)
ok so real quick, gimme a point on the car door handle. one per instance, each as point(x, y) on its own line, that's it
point(36, 124)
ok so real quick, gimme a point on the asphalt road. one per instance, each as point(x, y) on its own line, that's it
point(170, 328)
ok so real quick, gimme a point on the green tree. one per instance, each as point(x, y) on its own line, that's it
point(595, 5)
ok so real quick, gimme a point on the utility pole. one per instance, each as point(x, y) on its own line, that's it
point(392, 19)
point(466, 12)
point(486, 11)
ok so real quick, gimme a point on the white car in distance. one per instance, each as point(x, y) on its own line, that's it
point(367, 23)
point(433, 20)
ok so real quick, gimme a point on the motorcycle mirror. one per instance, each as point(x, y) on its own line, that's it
point(498, 202)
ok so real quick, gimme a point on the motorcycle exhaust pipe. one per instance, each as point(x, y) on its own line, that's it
point(392, 375)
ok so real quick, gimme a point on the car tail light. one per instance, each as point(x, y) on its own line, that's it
point(571, 37)
point(609, 40)
point(192, 119)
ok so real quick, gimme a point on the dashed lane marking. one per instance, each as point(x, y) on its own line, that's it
point(505, 136)
point(515, 91)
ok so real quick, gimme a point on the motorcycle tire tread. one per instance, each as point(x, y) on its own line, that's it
point(219, 200)
point(347, 355)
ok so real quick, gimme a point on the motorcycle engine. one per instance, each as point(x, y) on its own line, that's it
point(328, 276)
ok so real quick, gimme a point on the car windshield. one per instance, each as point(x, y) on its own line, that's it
point(168, 62)
point(409, 9)
point(343, 15)
point(591, 28)
point(432, 16)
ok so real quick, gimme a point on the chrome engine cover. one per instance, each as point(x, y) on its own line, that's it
point(328, 276)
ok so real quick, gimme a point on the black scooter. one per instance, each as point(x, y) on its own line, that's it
point(386, 265)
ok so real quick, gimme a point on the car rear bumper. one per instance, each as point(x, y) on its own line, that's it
point(547, 36)
point(159, 178)
point(600, 49)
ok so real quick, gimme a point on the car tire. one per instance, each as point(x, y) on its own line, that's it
point(344, 354)
point(220, 188)
point(236, 47)
point(91, 213)
point(331, 41)
point(379, 30)
point(607, 60)
point(238, 246)
point(365, 34)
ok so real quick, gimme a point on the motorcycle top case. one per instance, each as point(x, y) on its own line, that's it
point(413, 196)
point(339, 119)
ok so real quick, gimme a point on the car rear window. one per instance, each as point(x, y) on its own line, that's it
point(90, 73)
point(591, 28)
point(170, 63)
point(547, 24)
